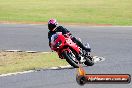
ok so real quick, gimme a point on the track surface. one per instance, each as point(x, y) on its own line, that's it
point(113, 43)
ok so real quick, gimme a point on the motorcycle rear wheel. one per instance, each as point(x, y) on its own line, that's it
point(69, 59)
point(89, 61)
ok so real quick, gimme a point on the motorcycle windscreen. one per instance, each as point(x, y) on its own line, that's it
point(53, 38)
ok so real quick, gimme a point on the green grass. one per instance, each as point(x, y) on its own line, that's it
point(21, 61)
point(115, 12)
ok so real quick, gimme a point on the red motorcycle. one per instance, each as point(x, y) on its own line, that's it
point(70, 51)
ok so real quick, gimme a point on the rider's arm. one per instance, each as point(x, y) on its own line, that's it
point(49, 37)
point(64, 31)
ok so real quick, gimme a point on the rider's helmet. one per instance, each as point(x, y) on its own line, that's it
point(52, 23)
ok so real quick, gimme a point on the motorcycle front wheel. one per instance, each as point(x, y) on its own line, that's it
point(71, 58)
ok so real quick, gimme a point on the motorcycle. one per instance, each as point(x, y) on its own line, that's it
point(70, 51)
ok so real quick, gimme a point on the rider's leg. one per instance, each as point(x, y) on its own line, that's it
point(80, 44)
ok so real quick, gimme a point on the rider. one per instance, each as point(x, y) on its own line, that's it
point(53, 28)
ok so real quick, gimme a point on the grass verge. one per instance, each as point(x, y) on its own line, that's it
point(22, 61)
point(115, 12)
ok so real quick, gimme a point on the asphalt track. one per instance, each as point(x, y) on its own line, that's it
point(113, 43)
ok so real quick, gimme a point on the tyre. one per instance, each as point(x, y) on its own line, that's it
point(89, 61)
point(71, 58)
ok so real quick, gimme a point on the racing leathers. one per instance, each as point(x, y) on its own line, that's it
point(64, 32)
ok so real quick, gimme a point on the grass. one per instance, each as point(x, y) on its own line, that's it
point(115, 12)
point(21, 61)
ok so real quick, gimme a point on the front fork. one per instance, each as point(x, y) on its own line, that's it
point(60, 53)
